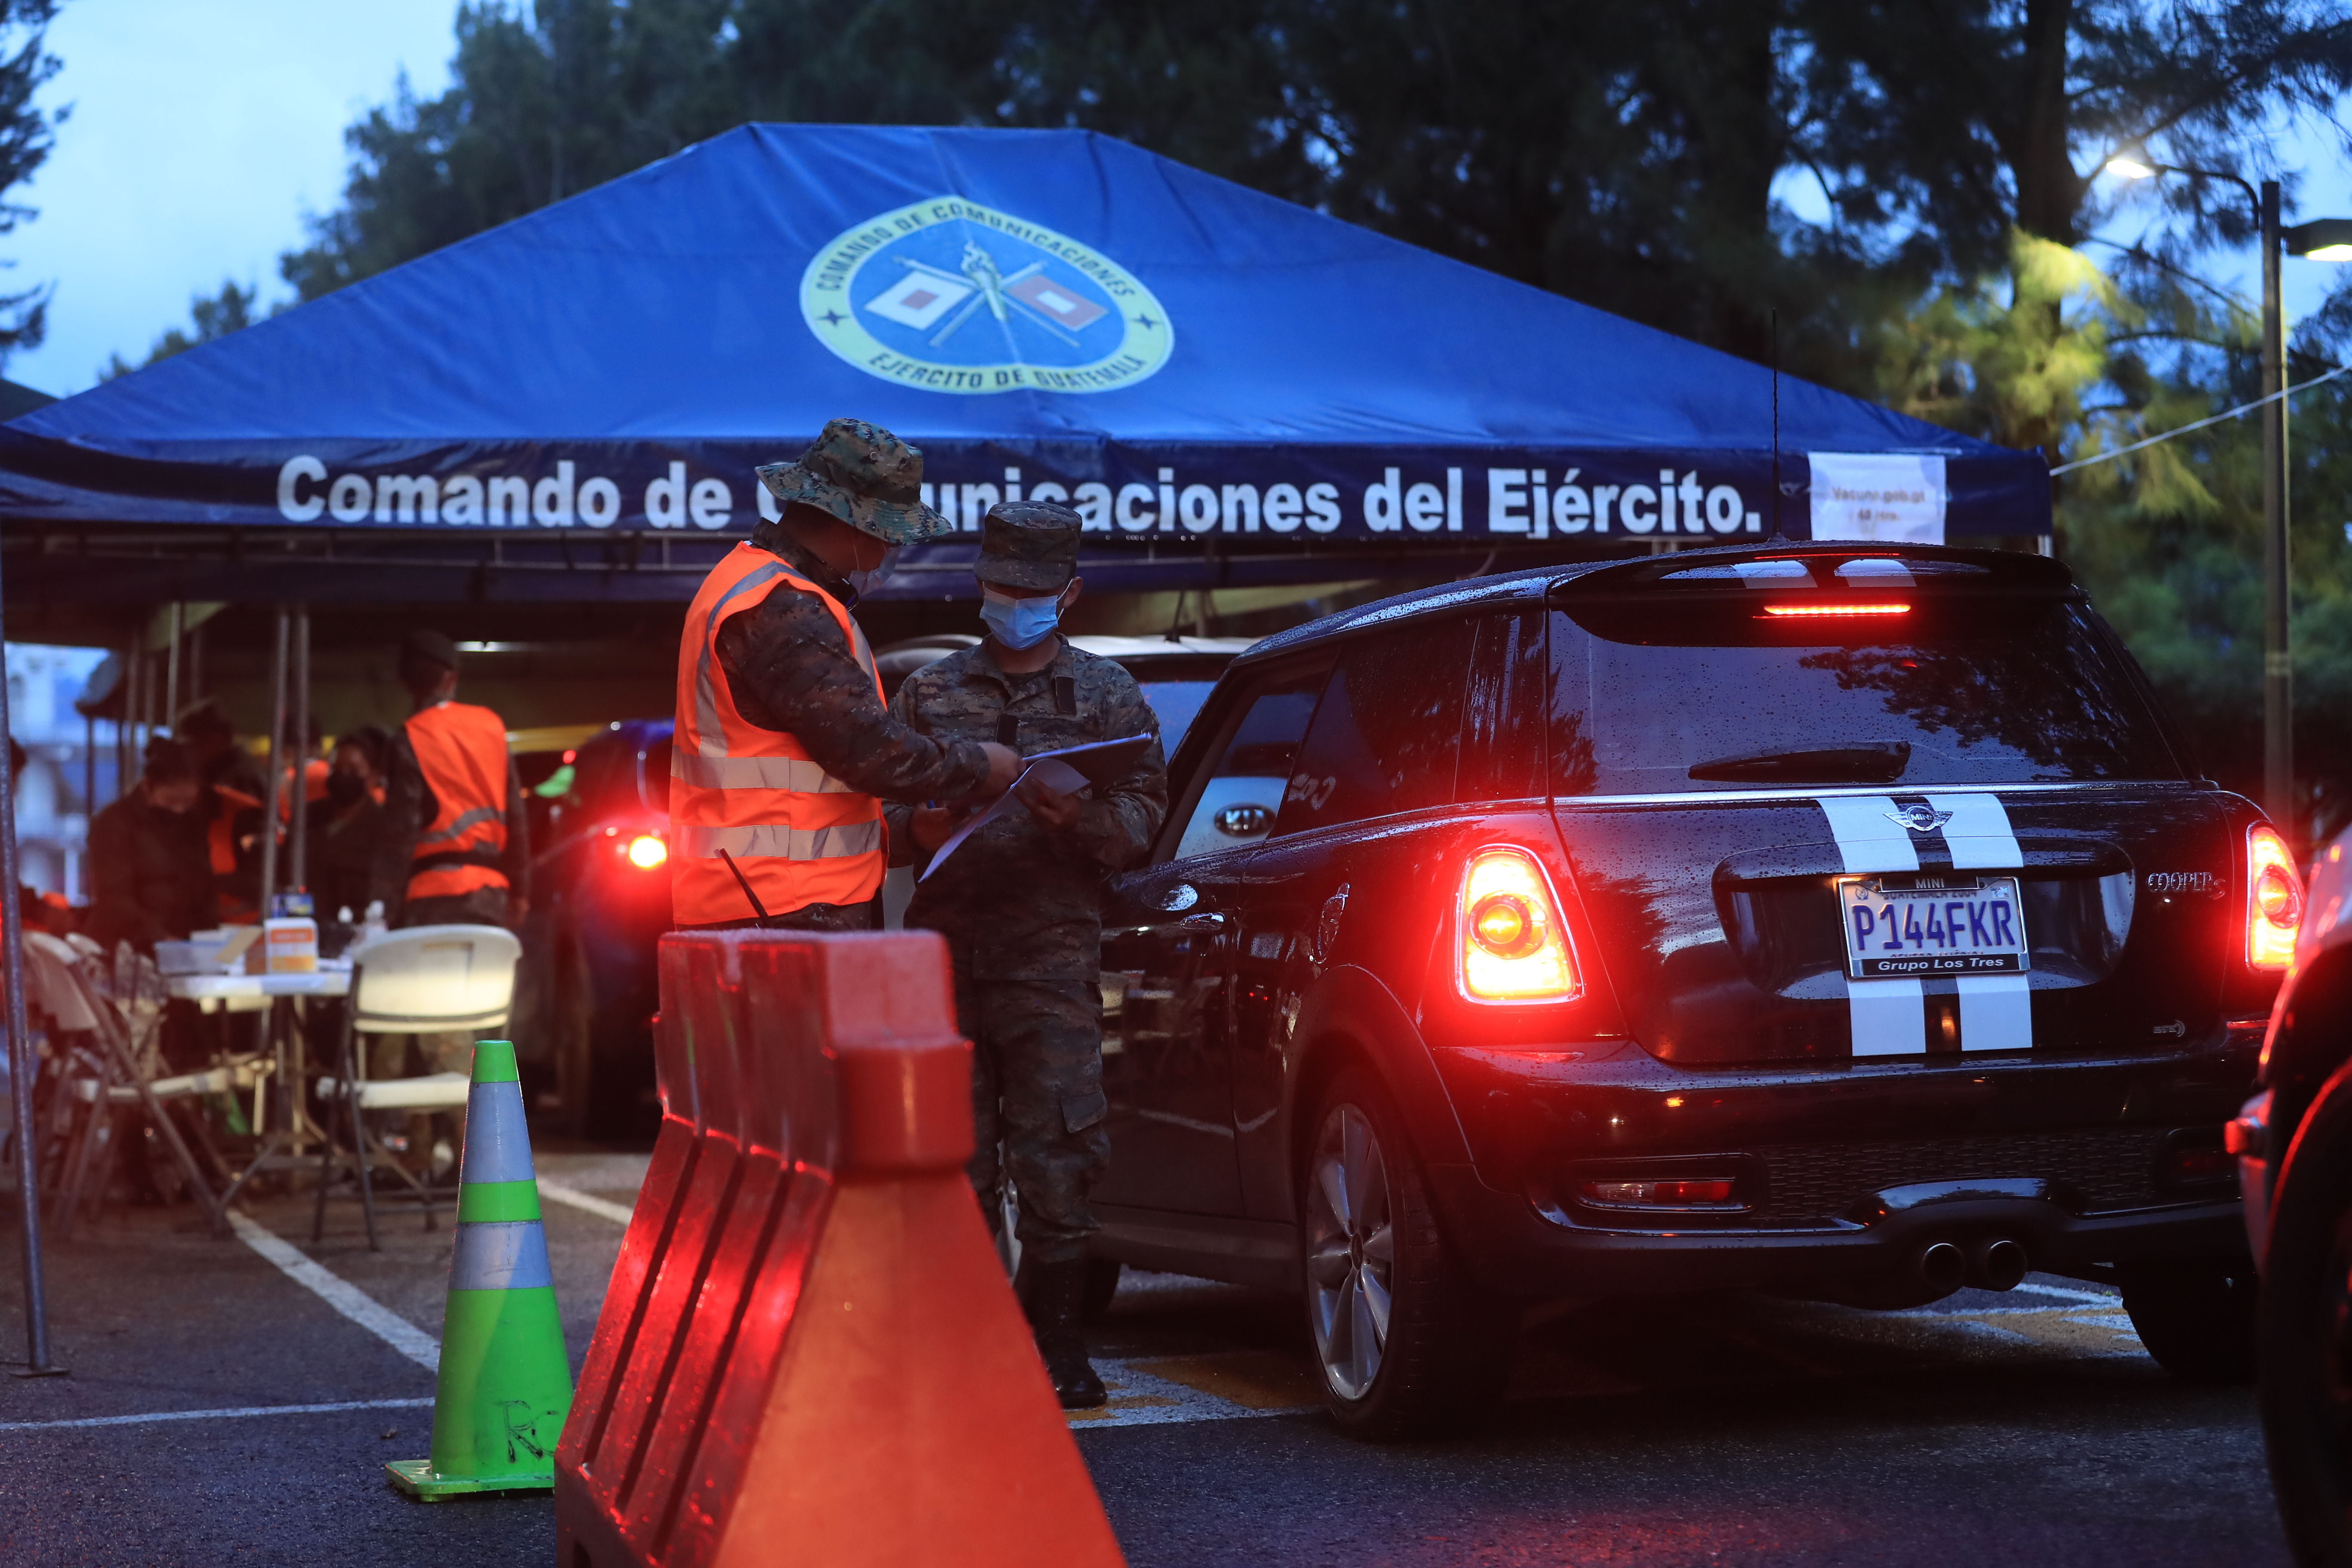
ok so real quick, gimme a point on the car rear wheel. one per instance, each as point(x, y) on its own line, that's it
point(2196, 1319)
point(1407, 1343)
point(2305, 1333)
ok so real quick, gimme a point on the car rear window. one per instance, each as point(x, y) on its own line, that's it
point(1666, 692)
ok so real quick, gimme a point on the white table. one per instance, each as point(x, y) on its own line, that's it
point(252, 992)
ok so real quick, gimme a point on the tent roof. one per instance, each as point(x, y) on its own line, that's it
point(1207, 372)
point(664, 305)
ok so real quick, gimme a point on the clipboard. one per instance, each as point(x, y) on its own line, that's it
point(1065, 772)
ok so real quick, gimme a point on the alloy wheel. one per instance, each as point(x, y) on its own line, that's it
point(1350, 1251)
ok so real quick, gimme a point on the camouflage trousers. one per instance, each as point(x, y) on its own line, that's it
point(1036, 1090)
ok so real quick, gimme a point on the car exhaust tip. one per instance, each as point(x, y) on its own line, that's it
point(1996, 1263)
point(1941, 1265)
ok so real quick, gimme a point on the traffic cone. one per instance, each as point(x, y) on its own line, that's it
point(505, 1385)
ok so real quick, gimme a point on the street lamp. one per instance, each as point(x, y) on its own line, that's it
point(2325, 239)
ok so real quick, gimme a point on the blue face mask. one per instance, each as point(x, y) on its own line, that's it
point(1019, 623)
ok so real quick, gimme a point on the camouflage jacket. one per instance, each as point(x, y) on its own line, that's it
point(1017, 900)
point(789, 668)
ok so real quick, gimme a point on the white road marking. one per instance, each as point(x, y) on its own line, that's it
point(1139, 1399)
point(341, 1294)
point(601, 1208)
point(231, 1414)
point(2068, 1293)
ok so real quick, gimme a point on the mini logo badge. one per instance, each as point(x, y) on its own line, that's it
point(949, 296)
point(1919, 818)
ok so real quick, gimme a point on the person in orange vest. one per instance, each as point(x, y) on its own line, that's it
point(783, 751)
point(454, 847)
point(456, 839)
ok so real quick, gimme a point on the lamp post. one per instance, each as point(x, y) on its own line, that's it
point(2327, 239)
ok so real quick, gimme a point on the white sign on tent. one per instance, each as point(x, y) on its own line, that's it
point(1884, 498)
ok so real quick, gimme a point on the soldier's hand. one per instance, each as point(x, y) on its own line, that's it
point(1003, 766)
point(1050, 808)
point(931, 825)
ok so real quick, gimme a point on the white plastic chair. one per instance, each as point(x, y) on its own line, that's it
point(424, 979)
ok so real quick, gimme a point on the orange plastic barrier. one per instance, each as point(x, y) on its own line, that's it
point(809, 1352)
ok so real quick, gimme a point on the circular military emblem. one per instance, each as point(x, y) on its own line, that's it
point(950, 296)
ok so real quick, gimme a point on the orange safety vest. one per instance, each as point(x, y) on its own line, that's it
point(314, 787)
point(801, 836)
point(220, 849)
point(462, 752)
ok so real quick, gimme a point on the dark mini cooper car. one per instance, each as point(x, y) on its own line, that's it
point(1842, 920)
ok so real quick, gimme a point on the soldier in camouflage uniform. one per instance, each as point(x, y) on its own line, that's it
point(1021, 904)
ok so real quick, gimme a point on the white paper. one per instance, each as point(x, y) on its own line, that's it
point(1056, 775)
point(1884, 498)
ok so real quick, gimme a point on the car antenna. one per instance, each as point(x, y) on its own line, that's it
point(1776, 423)
point(759, 909)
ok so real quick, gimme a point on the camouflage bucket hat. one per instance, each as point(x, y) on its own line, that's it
point(1028, 544)
point(864, 476)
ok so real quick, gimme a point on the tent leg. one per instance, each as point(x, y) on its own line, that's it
point(22, 1064)
point(297, 878)
point(171, 673)
point(275, 795)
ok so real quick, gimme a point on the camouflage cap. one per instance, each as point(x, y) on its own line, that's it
point(864, 476)
point(1028, 544)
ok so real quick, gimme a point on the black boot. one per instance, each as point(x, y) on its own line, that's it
point(1057, 1299)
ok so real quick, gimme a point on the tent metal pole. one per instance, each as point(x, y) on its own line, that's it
point(275, 793)
point(171, 673)
point(297, 875)
point(134, 701)
point(122, 727)
point(22, 1064)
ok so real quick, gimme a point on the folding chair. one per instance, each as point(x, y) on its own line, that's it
point(424, 980)
point(120, 1008)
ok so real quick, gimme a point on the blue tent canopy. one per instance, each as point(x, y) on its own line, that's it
point(1198, 367)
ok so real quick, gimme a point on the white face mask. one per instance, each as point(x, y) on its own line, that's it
point(864, 583)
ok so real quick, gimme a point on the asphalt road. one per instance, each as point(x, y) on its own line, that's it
point(2025, 1428)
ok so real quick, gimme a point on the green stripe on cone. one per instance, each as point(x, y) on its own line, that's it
point(505, 1384)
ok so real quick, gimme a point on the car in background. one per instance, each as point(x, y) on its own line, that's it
point(600, 878)
point(1836, 920)
point(2293, 1145)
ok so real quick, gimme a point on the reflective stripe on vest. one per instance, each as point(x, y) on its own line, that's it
point(797, 833)
point(779, 843)
point(461, 750)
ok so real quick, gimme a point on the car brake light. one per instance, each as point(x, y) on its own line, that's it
point(1512, 946)
point(1837, 609)
point(2273, 899)
point(646, 851)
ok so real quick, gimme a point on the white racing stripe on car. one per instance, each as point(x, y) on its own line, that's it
point(1889, 1018)
point(1996, 1010)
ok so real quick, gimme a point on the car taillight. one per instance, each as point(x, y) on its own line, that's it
point(2273, 899)
point(1511, 944)
point(646, 851)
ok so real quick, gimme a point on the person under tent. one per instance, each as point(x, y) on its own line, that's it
point(347, 826)
point(150, 878)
